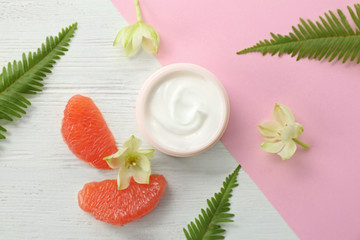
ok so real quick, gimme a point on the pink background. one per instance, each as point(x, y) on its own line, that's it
point(317, 191)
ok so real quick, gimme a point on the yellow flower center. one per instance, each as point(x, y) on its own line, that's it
point(131, 161)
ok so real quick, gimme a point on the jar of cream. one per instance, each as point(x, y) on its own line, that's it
point(182, 109)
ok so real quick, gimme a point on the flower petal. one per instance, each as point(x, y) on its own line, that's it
point(130, 51)
point(270, 128)
point(149, 153)
point(119, 38)
point(271, 139)
point(123, 178)
point(115, 160)
point(148, 46)
point(142, 177)
point(299, 130)
point(141, 172)
point(143, 163)
point(272, 147)
point(124, 36)
point(283, 115)
point(149, 32)
point(137, 37)
point(150, 41)
point(288, 150)
point(133, 144)
point(291, 131)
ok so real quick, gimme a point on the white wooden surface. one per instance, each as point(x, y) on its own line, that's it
point(40, 177)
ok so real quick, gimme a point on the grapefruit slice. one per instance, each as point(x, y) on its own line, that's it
point(118, 207)
point(86, 132)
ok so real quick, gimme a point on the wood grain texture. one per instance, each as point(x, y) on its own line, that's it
point(40, 177)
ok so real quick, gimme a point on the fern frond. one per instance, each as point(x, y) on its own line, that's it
point(332, 37)
point(207, 225)
point(24, 77)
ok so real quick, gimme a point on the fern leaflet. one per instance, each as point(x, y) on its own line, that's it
point(24, 77)
point(332, 37)
point(206, 226)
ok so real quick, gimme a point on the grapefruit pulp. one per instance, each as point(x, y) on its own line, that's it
point(118, 207)
point(86, 133)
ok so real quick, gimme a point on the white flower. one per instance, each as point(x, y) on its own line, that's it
point(132, 162)
point(132, 37)
point(281, 135)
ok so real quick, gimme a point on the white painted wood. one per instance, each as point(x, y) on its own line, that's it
point(40, 177)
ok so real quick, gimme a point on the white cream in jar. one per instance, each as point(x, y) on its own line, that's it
point(183, 109)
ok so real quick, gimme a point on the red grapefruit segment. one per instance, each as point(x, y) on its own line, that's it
point(86, 132)
point(118, 207)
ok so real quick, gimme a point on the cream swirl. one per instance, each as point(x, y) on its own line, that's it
point(184, 110)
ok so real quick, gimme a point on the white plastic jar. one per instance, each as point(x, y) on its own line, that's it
point(182, 109)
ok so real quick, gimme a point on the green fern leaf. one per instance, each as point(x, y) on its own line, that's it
point(24, 77)
point(207, 225)
point(332, 37)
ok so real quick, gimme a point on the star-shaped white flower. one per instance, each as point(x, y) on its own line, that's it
point(132, 37)
point(132, 162)
point(281, 134)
